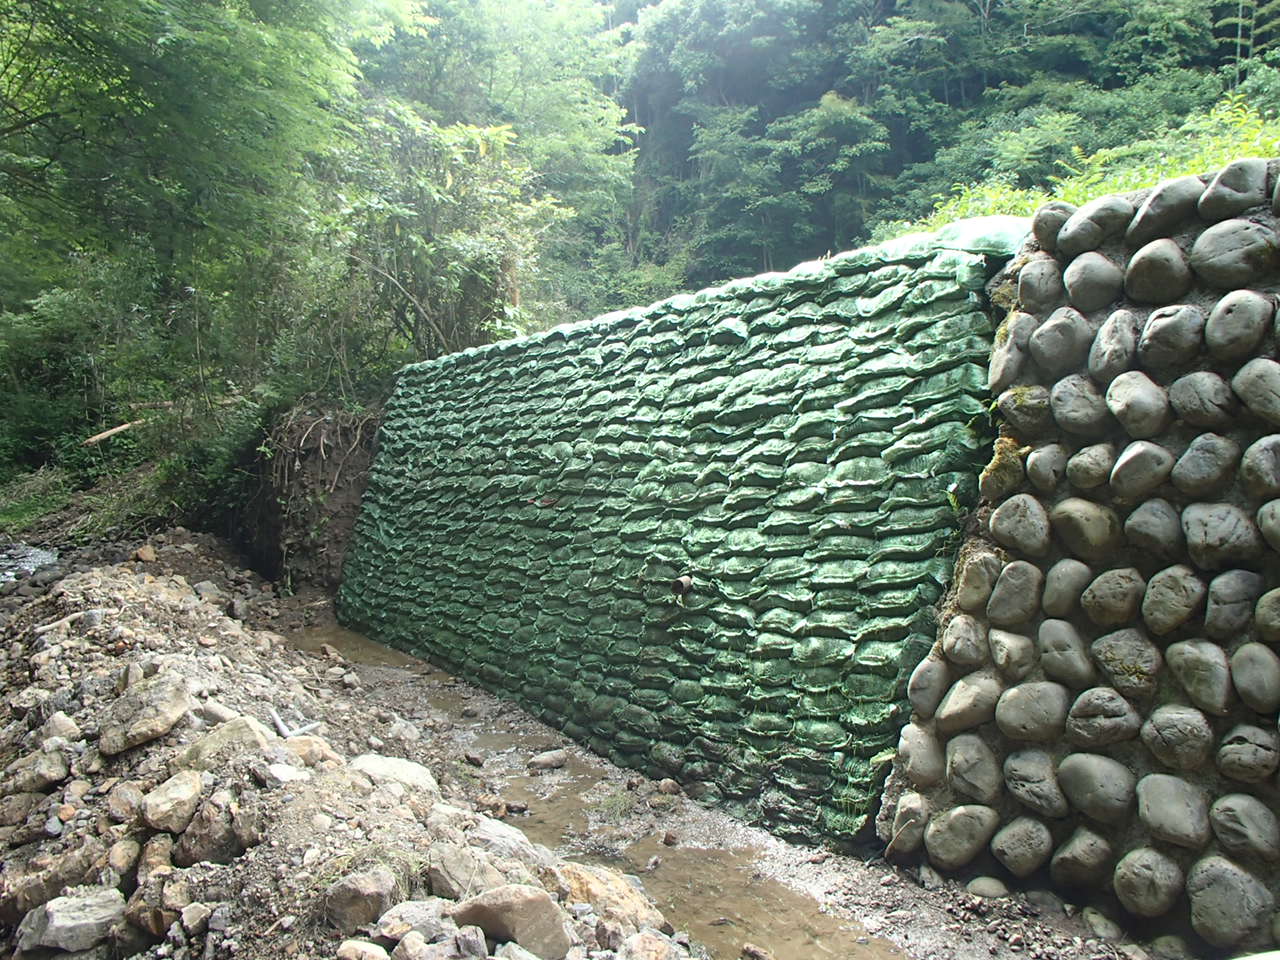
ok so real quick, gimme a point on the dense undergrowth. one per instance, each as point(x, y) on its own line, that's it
point(213, 214)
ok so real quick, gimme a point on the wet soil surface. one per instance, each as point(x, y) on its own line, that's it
point(725, 883)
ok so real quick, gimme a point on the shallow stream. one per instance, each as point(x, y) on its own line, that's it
point(19, 559)
point(713, 890)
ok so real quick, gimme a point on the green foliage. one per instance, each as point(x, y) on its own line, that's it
point(27, 497)
point(210, 211)
point(1233, 128)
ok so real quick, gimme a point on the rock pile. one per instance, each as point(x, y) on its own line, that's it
point(1102, 700)
point(154, 802)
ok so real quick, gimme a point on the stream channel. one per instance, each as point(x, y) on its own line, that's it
point(713, 882)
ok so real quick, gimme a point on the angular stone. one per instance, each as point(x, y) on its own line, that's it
point(148, 709)
point(171, 805)
point(1130, 661)
point(1093, 281)
point(648, 945)
point(1091, 466)
point(410, 775)
point(1140, 404)
point(1040, 286)
point(1237, 324)
point(972, 769)
point(1248, 754)
point(78, 921)
point(510, 843)
point(1200, 667)
point(964, 641)
point(1179, 737)
point(1027, 409)
point(1227, 902)
point(1173, 810)
point(34, 772)
point(1234, 253)
point(1268, 518)
point(1078, 407)
point(1062, 654)
point(1207, 466)
point(1112, 598)
point(1141, 467)
point(1046, 466)
point(1115, 346)
point(242, 735)
point(360, 898)
point(1172, 598)
point(955, 837)
point(969, 703)
point(1255, 671)
point(1089, 530)
point(1016, 596)
point(1035, 712)
point(1097, 786)
point(1061, 343)
point(1232, 596)
point(1020, 523)
point(1013, 654)
point(1033, 782)
point(1100, 717)
point(1023, 846)
point(1084, 861)
point(1167, 205)
point(1157, 273)
point(929, 682)
point(1260, 467)
point(920, 755)
point(1155, 528)
point(910, 817)
point(1266, 616)
point(362, 950)
point(427, 917)
point(212, 836)
point(1204, 399)
point(455, 871)
point(514, 912)
point(1147, 882)
point(1239, 185)
point(1246, 827)
point(978, 571)
point(1220, 535)
point(1092, 224)
point(1063, 585)
point(1171, 337)
point(1048, 221)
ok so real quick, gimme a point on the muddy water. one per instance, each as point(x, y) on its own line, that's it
point(717, 893)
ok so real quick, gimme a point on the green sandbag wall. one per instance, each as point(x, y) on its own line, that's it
point(802, 445)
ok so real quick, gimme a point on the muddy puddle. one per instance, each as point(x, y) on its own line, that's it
point(588, 811)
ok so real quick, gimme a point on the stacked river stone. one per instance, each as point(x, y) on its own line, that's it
point(793, 454)
point(1101, 703)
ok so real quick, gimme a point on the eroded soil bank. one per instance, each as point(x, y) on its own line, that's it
point(185, 603)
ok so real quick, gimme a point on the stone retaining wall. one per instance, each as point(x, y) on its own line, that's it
point(1100, 709)
point(801, 446)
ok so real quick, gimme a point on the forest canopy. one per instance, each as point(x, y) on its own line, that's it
point(213, 209)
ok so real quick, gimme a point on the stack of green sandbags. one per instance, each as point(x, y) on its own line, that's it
point(803, 445)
